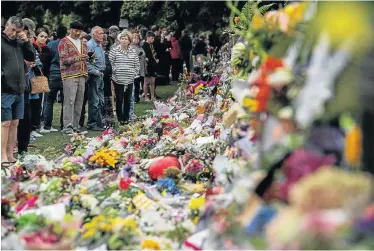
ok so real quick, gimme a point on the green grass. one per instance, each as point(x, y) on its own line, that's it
point(52, 145)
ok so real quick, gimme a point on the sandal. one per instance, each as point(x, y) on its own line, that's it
point(6, 165)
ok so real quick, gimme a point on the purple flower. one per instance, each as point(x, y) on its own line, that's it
point(300, 164)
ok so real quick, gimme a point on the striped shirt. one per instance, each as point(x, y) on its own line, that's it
point(125, 65)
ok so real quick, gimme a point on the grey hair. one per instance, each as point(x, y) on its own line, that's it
point(94, 29)
point(17, 21)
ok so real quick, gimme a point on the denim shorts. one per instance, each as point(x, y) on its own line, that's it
point(12, 106)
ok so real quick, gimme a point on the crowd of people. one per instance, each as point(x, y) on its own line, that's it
point(107, 69)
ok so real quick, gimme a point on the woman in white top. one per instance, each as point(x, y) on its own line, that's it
point(125, 65)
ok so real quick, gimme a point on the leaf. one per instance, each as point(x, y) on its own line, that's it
point(265, 8)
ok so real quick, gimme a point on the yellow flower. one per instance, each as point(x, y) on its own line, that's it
point(89, 233)
point(196, 203)
point(130, 222)
point(150, 244)
point(346, 21)
point(198, 88)
point(196, 220)
point(83, 190)
point(75, 198)
point(258, 21)
point(74, 177)
point(296, 12)
point(236, 19)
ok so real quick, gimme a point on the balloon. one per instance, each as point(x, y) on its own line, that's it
point(156, 170)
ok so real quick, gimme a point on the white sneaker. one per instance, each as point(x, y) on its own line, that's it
point(43, 130)
point(53, 129)
point(35, 134)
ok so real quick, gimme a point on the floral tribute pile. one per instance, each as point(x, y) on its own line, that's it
point(261, 150)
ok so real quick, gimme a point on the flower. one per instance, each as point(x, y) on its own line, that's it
point(353, 146)
point(300, 164)
point(124, 184)
point(350, 21)
point(105, 157)
point(89, 233)
point(198, 88)
point(236, 19)
point(196, 203)
point(258, 21)
point(150, 244)
point(196, 220)
point(331, 188)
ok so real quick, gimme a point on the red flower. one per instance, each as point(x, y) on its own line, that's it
point(271, 64)
point(124, 184)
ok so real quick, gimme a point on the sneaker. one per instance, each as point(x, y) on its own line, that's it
point(68, 131)
point(43, 130)
point(53, 129)
point(35, 134)
point(32, 138)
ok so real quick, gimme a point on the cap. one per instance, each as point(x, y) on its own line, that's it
point(30, 25)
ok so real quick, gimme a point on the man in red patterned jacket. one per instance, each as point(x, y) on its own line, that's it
point(73, 64)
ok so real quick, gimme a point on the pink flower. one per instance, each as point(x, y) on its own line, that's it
point(194, 166)
point(124, 142)
point(68, 148)
point(131, 160)
point(28, 205)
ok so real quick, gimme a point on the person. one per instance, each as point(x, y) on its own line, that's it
point(164, 57)
point(185, 43)
point(85, 38)
point(113, 33)
point(108, 115)
point(139, 80)
point(24, 136)
point(152, 61)
point(200, 47)
point(54, 83)
point(95, 82)
point(73, 65)
point(15, 48)
point(44, 55)
point(177, 58)
point(125, 66)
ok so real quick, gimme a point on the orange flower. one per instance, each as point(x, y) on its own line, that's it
point(236, 19)
point(353, 146)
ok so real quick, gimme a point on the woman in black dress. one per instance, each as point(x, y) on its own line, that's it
point(108, 106)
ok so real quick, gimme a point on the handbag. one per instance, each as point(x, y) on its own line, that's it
point(39, 84)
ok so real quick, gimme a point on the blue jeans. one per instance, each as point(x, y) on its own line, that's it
point(95, 101)
point(49, 100)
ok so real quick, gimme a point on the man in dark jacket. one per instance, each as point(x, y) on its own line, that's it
point(186, 47)
point(15, 48)
point(54, 82)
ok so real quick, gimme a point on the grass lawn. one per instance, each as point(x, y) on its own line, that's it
point(52, 145)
